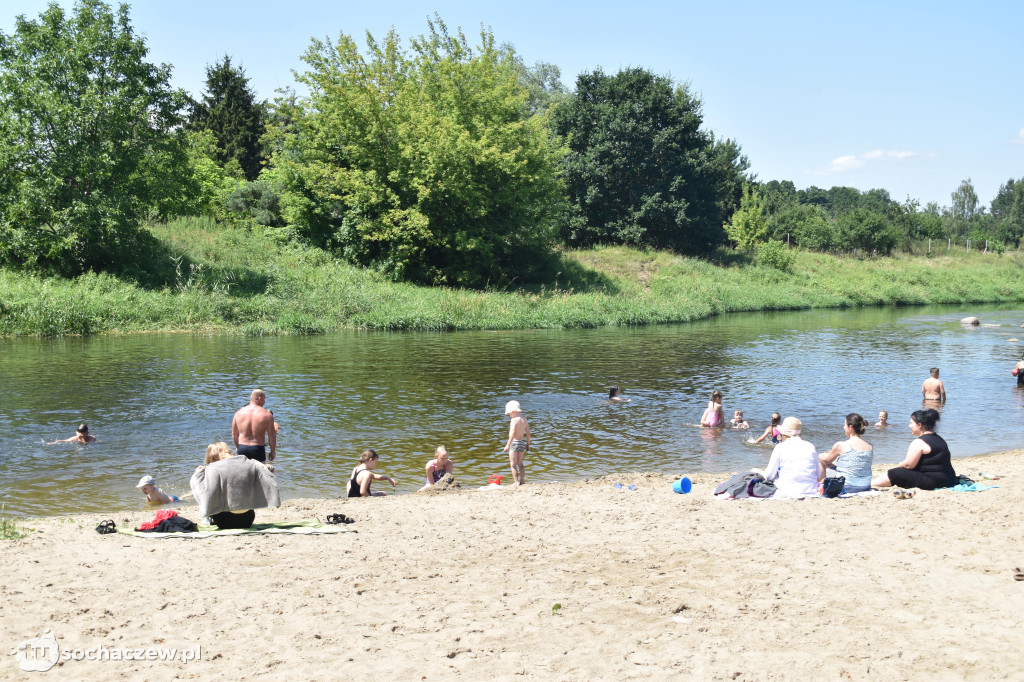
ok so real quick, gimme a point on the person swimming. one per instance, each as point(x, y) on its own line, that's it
point(81, 436)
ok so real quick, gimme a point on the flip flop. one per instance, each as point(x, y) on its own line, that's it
point(339, 518)
point(1018, 574)
point(106, 527)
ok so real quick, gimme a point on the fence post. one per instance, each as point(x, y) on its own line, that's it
point(949, 244)
point(929, 244)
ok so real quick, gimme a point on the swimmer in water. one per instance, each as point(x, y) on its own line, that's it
point(81, 436)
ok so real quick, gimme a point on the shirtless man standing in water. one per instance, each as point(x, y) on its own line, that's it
point(932, 388)
point(251, 426)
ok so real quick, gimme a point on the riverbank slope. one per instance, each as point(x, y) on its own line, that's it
point(552, 581)
point(228, 279)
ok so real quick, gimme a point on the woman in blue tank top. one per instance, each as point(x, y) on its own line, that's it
point(851, 458)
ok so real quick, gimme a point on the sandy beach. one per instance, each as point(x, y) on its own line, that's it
point(558, 581)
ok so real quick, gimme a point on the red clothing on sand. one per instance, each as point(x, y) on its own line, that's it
point(161, 515)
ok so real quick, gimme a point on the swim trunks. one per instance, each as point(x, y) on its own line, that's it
point(517, 446)
point(256, 452)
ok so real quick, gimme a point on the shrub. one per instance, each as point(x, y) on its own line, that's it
point(775, 254)
point(256, 201)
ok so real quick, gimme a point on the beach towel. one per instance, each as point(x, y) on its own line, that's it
point(308, 527)
point(234, 484)
point(969, 488)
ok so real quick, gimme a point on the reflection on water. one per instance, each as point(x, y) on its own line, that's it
point(156, 401)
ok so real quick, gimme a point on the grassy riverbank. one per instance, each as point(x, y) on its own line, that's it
point(257, 282)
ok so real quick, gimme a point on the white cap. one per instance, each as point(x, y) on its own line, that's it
point(146, 480)
point(512, 406)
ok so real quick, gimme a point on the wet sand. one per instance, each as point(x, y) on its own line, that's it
point(576, 581)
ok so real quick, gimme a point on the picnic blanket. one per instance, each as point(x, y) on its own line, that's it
point(307, 527)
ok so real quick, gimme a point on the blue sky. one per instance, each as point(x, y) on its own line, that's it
point(912, 97)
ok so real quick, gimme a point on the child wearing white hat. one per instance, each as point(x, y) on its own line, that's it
point(153, 494)
point(518, 441)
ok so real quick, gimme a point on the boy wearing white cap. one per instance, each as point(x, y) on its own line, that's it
point(518, 441)
point(154, 494)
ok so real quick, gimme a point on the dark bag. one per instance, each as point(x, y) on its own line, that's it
point(831, 487)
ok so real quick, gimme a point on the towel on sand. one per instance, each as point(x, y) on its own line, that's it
point(969, 487)
point(308, 527)
point(234, 484)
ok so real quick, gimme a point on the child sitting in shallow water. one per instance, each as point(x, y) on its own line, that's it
point(738, 422)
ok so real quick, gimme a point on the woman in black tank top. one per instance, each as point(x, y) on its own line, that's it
point(927, 465)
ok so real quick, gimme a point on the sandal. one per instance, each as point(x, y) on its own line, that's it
point(1018, 574)
point(339, 518)
point(106, 527)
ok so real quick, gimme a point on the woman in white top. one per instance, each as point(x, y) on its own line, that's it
point(794, 465)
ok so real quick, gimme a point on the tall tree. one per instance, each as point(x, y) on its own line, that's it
point(86, 147)
point(428, 166)
point(639, 169)
point(963, 210)
point(229, 109)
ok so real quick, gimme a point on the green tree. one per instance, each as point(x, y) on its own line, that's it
point(749, 224)
point(544, 83)
point(639, 170)
point(808, 225)
point(778, 196)
point(963, 210)
point(1008, 211)
point(86, 148)
point(730, 168)
point(229, 109)
point(866, 230)
point(428, 166)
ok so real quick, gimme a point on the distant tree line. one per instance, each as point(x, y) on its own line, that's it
point(441, 162)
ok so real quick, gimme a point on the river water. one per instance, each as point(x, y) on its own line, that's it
point(156, 400)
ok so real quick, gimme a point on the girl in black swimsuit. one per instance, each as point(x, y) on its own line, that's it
point(363, 476)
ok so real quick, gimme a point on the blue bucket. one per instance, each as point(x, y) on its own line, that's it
point(683, 485)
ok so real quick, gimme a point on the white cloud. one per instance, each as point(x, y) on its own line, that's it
point(843, 164)
point(1019, 139)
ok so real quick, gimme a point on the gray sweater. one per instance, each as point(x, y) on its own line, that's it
point(234, 484)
